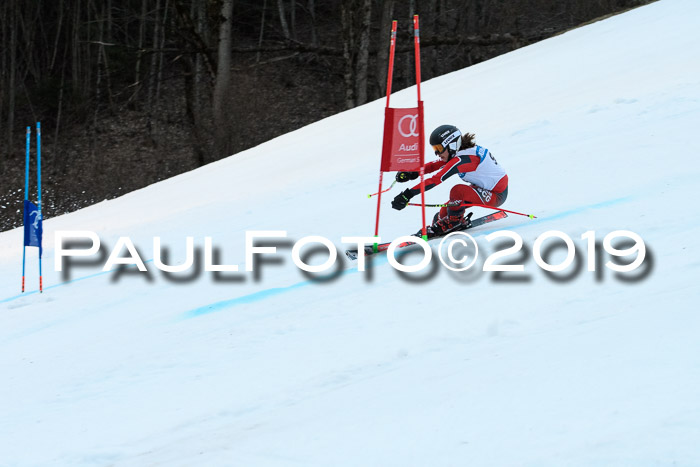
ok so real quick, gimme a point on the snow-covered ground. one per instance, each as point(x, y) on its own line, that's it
point(597, 130)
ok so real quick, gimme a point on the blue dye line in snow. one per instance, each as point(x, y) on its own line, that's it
point(263, 294)
point(245, 299)
point(26, 294)
point(267, 293)
point(581, 209)
point(91, 276)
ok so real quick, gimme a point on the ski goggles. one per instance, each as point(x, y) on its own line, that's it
point(452, 143)
point(438, 148)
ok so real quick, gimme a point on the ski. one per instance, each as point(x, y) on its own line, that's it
point(370, 250)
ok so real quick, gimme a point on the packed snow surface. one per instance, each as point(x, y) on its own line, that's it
point(597, 129)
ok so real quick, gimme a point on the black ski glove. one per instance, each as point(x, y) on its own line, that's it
point(402, 199)
point(406, 176)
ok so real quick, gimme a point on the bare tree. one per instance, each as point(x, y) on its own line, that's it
point(152, 76)
point(363, 53)
point(262, 31)
point(383, 46)
point(293, 19)
point(3, 73)
point(58, 35)
point(161, 47)
point(223, 78)
point(93, 141)
point(142, 39)
point(75, 50)
point(12, 73)
point(312, 15)
point(283, 19)
point(346, 20)
point(200, 11)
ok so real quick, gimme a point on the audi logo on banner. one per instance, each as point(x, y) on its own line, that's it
point(401, 149)
point(411, 126)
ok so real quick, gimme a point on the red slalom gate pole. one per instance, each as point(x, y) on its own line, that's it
point(390, 75)
point(392, 48)
point(531, 216)
point(379, 203)
point(421, 125)
point(416, 42)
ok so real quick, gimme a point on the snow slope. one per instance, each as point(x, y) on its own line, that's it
point(596, 130)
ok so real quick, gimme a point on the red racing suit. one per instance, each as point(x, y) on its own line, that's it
point(487, 181)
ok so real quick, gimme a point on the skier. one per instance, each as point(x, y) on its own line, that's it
point(486, 181)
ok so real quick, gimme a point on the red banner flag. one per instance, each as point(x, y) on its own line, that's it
point(403, 137)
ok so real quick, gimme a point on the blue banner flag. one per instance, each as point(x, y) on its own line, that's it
point(33, 228)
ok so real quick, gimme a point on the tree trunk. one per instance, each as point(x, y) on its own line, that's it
point(363, 54)
point(223, 80)
point(12, 73)
point(60, 104)
point(93, 138)
point(262, 31)
point(434, 30)
point(162, 46)
point(384, 44)
point(75, 51)
point(152, 77)
point(312, 13)
point(190, 113)
point(283, 19)
point(201, 15)
point(410, 61)
point(346, 14)
point(109, 21)
point(142, 33)
point(58, 35)
point(3, 77)
point(293, 19)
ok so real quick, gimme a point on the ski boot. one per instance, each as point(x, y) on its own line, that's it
point(444, 225)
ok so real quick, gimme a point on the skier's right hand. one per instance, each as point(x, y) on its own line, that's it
point(402, 177)
point(402, 199)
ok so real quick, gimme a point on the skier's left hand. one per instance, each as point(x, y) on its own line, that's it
point(402, 199)
point(406, 176)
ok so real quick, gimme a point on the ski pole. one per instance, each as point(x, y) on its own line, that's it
point(531, 216)
point(384, 191)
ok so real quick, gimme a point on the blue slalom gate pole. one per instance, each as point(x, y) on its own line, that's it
point(26, 197)
point(38, 177)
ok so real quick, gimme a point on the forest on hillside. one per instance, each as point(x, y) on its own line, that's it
point(130, 92)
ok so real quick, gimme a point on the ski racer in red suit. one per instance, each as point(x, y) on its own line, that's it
point(485, 180)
